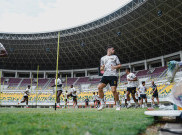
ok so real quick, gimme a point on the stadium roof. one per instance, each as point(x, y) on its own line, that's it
point(140, 30)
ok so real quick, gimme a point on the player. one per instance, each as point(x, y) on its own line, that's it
point(109, 64)
point(173, 67)
point(65, 99)
point(94, 99)
point(59, 90)
point(142, 89)
point(97, 100)
point(131, 86)
point(73, 94)
point(154, 94)
point(86, 102)
point(125, 99)
point(25, 97)
point(3, 51)
point(136, 96)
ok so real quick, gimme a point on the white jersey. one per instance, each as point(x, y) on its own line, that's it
point(109, 61)
point(142, 89)
point(59, 82)
point(94, 97)
point(26, 92)
point(131, 76)
point(97, 97)
point(73, 90)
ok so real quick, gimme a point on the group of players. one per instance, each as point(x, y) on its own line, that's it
point(110, 64)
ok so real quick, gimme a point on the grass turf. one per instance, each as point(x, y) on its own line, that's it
point(70, 121)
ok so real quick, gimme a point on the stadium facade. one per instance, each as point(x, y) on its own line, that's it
point(141, 31)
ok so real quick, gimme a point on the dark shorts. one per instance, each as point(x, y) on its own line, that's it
point(59, 90)
point(25, 97)
point(74, 97)
point(143, 96)
point(131, 89)
point(86, 103)
point(139, 98)
point(155, 95)
point(98, 101)
point(112, 80)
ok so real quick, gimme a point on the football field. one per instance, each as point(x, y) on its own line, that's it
point(40, 121)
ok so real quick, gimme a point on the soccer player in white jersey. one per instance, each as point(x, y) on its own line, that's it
point(59, 90)
point(65, 99)
point(125, 98)
point(109, 64)
point(142, 89)
point(131, 86)
point(25, 97)
point(3, 51)
point(94, 99)
point(73, 94)
point(173, 67)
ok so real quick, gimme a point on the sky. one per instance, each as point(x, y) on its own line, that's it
point(32, 16)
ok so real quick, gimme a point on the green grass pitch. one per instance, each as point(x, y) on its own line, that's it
point(31, 121)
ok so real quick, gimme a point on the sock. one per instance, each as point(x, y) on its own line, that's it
point(26, 105)
point(117, 103)
point(102, 101)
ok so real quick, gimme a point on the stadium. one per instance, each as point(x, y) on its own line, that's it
point(146, 36)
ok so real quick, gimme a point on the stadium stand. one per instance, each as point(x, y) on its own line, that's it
point(13, 83)
point(141, 43)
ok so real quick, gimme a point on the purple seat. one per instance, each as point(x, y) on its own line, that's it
point(82, 80)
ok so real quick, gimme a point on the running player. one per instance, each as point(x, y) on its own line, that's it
point(65, 99)
point(59, 90)
point(125, 99)
point(73, 94)
point(86, 102)
point(173, 67)
point(97, 100)
point(155, 94)
point(136, 96)
point(142, 89)
point(94, 99)
point(131, 86)
point(25, 97)
point(3, 51)
point(109, 64)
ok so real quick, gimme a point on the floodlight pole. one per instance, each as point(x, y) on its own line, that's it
point(57, 68)
point(37, 83)
point(0, 87)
